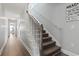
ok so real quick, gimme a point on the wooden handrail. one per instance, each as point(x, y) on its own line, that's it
point(33, 18)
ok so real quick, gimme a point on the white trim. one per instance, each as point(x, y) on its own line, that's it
point(26, 46)
point(69, 52)
point(1, 50)
point(6, 35)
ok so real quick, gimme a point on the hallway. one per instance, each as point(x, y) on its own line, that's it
point(14, 47)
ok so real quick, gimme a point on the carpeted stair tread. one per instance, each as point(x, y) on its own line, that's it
point(47, 43)
point(55, 54)
point(44, 31)
point(50, 50)
point(45, 35)
point(46, 39)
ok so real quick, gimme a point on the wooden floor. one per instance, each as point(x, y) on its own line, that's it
point(14, 48)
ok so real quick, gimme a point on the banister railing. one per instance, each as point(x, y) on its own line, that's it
point(36, 33)
point(55, 30)
point(34, 19)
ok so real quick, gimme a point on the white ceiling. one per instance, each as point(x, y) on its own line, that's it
point(15, 7)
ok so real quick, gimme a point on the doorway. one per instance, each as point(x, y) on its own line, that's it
point(12, 27)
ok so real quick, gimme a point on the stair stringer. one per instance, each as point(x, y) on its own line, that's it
point(53, 38)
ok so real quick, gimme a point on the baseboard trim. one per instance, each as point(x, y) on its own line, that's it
point(69, 52)
point(1, 50)
point(26, 47)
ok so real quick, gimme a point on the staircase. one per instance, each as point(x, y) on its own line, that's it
point(49, 47)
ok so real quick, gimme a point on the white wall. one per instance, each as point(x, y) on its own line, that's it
point(1, 10)
point(10, 14)
point(27, 34)
point(52, 16)
point(3, 32)
point(3, 29)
